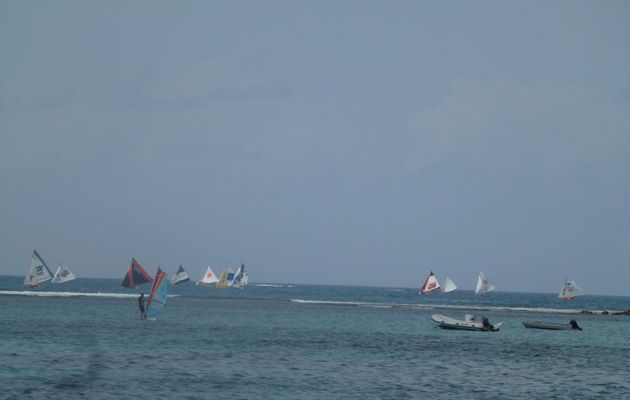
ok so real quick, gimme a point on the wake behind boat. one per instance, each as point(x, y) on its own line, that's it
point(468, 324)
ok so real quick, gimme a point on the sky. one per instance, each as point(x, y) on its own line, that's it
point(325, 142)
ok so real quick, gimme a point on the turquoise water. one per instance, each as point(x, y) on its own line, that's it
point(304, 342)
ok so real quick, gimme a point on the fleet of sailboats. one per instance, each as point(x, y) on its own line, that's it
point(39, 273)
point(484, 285)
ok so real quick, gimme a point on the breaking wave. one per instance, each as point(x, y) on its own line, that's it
point(271, 285)
point(70, 294)
point(472, 307)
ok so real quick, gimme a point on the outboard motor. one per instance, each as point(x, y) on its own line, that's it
point(486, 323)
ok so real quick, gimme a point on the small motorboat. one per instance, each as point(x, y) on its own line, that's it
point(468, 324)
point(554, 326)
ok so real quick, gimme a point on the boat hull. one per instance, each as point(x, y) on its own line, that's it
point(445, 322)
point(552, 326)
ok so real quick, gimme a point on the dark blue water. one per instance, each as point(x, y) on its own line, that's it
point(303, 342)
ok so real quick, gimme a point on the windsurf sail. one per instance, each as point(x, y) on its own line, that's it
point(63, 274)
point(208, 278)
point(430, 284)
point(484, 285)
point(448, 286)
point(136, 275)
point(180, 276)
point(157, 300)
point(570, 290)
point(38, 273)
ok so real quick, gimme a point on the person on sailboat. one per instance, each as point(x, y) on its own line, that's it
point(143, 313)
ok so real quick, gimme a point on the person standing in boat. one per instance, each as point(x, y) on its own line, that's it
point(143, 314)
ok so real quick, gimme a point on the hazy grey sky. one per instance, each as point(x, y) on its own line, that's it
point(337, 142)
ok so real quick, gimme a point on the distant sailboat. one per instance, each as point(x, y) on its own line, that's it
point(448, 286)
point(180, 276)
point(430, 284)
point(484, 286)
point(136, 275)
point(38, 273)
point(241, 278)
point(63, 274)
point(208, 278)
point(225, 280)
point(157, 299)
point(570, 290)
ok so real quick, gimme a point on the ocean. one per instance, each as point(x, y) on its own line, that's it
point(84, 340)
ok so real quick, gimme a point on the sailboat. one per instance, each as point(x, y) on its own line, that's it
point(136, 275)
point(180, 276)
point(241, 278)
point(38, 273)
point(225, 280)
point(208, 278)
point(484, 286)
point(157, 299)
point(448, 286)
point(430, 284)
point(570, 290)
point(63, 274)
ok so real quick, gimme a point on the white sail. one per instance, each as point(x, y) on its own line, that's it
point(484, 285)
point(39, 272)
point(62, 275)
point(449, 285)
point(570, 290)
point(208, 278)
point(241, 279)
point(245, 279)
point(180, 276)
point(430, 284)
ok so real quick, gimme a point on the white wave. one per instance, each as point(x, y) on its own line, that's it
point(471, 307)
point(71, 294)
point(271, 285)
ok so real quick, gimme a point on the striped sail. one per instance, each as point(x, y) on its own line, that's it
point(38, 273)
point(63, 274)
point(157, 300)
point(136, 275)
point(180, 276)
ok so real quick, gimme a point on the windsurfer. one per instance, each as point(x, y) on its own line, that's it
point(143, 314)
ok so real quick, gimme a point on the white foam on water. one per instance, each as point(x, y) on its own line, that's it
point(271, 285)
point(71, 294)
point(471, 307)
